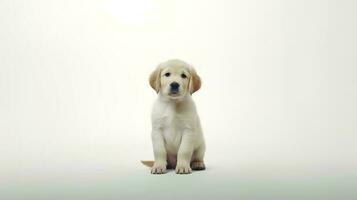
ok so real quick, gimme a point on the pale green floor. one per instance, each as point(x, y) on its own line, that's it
point(214, 183)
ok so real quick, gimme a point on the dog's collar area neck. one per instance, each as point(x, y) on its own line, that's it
point(165, 98)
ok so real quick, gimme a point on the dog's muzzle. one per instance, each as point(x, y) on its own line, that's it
point(174, 88)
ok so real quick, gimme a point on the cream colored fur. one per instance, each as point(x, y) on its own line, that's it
point(177, 137)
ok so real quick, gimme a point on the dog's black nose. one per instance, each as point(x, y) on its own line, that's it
point(174, 86)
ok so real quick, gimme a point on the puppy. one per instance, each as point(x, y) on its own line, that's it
point(177, 137)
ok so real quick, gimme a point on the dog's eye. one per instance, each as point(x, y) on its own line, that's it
point(167, 74)
point(183, 76)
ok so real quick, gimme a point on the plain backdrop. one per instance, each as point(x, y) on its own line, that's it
point(277, 103)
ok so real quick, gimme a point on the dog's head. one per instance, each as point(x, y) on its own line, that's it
point(175, 79)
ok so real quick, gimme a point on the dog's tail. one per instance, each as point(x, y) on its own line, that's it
point(148, 163)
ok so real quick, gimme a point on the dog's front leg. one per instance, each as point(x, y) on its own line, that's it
point(185, 154)
point(159, 166)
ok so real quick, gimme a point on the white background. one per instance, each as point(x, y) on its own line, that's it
point(278, 97)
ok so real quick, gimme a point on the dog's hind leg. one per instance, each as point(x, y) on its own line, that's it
point(197, 162)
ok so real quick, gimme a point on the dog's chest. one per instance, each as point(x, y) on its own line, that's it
point(172, 129)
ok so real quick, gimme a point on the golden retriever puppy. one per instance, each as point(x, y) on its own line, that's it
point(177, 137)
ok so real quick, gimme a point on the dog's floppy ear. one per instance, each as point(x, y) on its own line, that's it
point(195, 81)
point(154, 79)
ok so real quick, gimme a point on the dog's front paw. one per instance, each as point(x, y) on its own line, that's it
point(183, 169)
point(158, 168)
